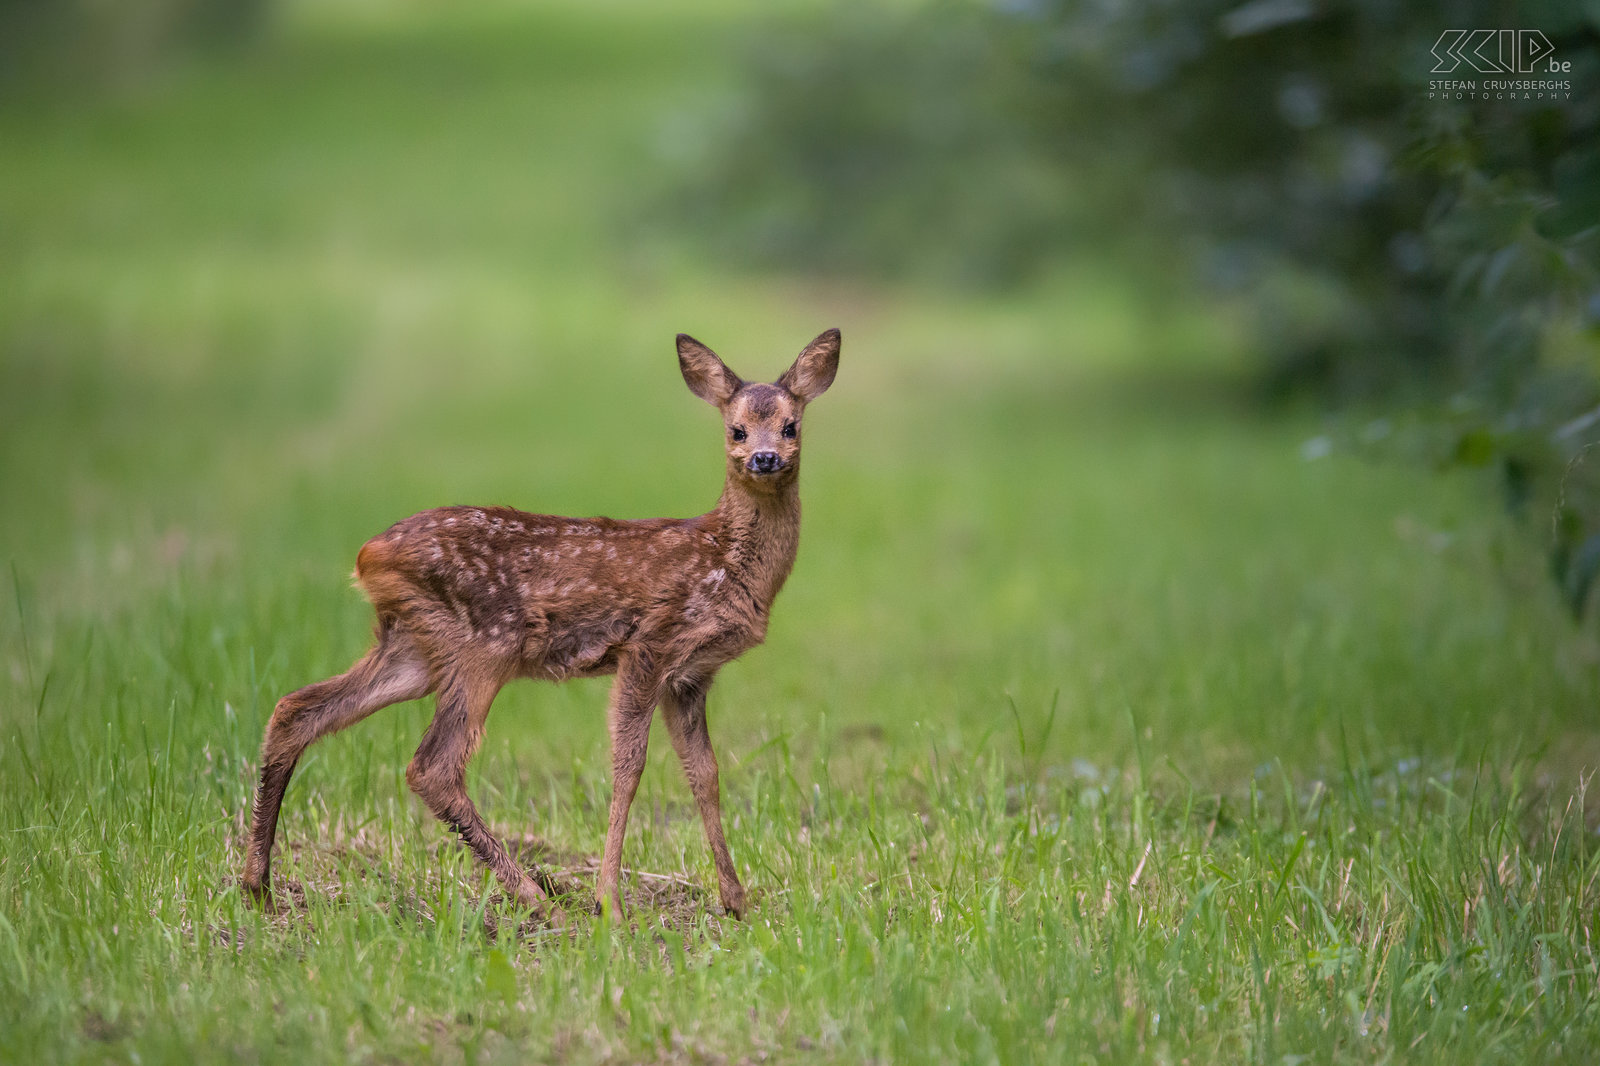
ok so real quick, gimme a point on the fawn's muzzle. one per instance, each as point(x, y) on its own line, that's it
point(764, 462)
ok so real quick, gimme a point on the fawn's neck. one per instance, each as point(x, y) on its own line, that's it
point(760, 533)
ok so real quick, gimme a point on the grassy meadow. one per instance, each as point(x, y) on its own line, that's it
point(1101, 719)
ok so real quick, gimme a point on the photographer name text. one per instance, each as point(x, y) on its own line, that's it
point(1500, 89)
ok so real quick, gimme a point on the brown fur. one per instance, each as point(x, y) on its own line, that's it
point(469, 598)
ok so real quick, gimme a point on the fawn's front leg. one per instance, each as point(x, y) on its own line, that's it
point(628, 716)
point(684, 709)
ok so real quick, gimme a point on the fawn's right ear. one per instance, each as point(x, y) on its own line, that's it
point(813, 372)
point(706, 375)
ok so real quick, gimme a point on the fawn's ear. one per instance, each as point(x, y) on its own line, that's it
point(707, 376)
point(813, 372)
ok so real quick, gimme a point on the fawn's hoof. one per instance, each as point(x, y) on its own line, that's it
point(733, 901)
point(533, 897)
point(259, 895)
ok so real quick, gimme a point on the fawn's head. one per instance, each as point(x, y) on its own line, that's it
point(761, 422)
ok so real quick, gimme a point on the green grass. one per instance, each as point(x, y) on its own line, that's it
point(1096, 724)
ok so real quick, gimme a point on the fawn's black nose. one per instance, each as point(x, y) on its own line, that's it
point(764, 462)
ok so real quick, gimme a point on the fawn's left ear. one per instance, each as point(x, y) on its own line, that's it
point(707, 376)
point(813, 371)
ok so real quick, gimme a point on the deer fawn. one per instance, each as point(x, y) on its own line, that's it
point(470, 598)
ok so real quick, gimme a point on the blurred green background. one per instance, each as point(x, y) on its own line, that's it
point(1212, 404)
point(278, 275)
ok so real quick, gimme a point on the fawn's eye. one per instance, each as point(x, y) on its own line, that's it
point(738, 434)
point(789, 430)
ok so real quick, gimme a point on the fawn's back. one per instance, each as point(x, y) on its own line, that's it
point(551, 597)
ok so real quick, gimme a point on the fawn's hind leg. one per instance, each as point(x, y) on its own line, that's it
point(390, 673)
point(438, 773)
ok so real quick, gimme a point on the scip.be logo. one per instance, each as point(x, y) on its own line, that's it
point(1495, 52)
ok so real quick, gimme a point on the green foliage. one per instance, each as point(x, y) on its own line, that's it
point(1449, 236)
